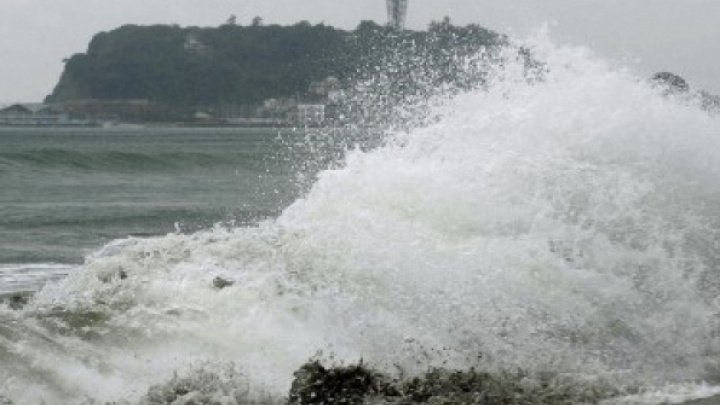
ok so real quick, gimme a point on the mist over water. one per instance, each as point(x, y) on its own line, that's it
point(566, 224)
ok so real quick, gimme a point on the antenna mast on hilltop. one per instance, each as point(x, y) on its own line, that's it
point(397, 11)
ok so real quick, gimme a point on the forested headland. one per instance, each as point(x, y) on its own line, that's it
point(180, 70)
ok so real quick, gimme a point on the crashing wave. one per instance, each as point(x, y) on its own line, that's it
point(564, 225)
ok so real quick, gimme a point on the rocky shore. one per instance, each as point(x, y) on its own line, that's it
point(316, 384)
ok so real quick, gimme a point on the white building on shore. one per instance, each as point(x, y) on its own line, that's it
point(311, 114)
point(31, 114)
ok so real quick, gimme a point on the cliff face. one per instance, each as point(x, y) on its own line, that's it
point(244, 64)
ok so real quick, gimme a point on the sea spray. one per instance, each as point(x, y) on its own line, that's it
point(560, 222)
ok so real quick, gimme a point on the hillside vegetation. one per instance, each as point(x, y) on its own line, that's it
point(192, 66)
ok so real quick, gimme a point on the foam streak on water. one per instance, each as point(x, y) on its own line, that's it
point(565, 225)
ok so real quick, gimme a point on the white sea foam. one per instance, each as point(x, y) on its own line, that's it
point(21, 278)
point(566, 225)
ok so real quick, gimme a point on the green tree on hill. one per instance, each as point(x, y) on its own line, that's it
point(246, 65)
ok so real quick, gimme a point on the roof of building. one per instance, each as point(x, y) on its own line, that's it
point(31, 108)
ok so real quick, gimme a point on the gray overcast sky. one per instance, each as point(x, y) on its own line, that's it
point(682, 36)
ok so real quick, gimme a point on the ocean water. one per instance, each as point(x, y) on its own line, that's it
point(89, 186)
point(565, 225)
point(67, 192)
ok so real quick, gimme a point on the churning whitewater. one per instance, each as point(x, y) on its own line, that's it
point(567, 224)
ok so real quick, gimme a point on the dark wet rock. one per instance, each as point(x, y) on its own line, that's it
point(473, 387)
point(670, 83)
point(220, 283)
point(709, 102)
point(16, 301)
point(172, 391)
point(673, 85)
point(314, 384)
